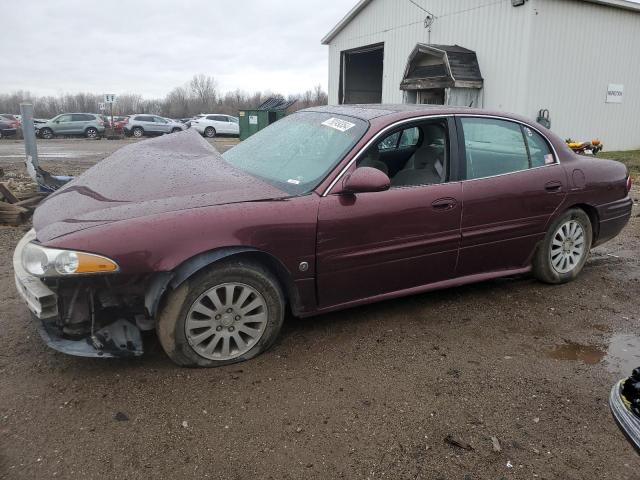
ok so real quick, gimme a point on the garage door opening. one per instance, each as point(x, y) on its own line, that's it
point(361, 75)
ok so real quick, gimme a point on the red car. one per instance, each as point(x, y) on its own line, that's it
point(326, 209)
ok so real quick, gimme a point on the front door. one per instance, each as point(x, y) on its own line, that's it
point(513, 186)
point(63, 125)
point(375, 243)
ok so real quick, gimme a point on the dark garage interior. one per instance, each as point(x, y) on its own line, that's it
point(361, 75)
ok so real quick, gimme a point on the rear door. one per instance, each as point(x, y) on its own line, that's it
point(78, 122)
point(512, 185)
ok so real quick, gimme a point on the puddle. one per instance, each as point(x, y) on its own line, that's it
point(620, 357)
point(576, 352)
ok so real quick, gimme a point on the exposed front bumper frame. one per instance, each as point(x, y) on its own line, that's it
point(118, 339)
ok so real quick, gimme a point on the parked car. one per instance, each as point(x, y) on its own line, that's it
point(214, 124)
point(141, 125)
point(90, 125)
point(325, 209)
point(624, 401)
point(186, 121)
point(119, 123)
point(11, 117)
point(8, 127)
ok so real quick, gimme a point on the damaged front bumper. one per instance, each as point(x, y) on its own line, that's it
point(118, 338)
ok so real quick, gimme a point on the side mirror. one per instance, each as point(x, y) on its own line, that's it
point(366, 179)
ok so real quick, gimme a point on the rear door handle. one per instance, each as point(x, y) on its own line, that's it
point(443, 204)
point(553, 186)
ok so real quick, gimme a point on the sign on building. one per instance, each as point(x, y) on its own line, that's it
point(615, 93)
point(109, 98)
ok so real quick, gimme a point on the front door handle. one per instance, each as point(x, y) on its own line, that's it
point(554, 186)
point(443, 204)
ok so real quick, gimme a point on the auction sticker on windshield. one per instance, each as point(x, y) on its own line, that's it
point(338, 124)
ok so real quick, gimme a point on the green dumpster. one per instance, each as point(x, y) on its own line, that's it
point(252, 121)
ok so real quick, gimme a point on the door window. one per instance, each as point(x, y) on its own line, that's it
point(493, 147)
point(64, 118)
point(416, 155)
point(159, 120)
point(79, 117)
point(539, 150)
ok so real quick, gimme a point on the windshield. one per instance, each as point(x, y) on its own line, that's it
point(296, 153)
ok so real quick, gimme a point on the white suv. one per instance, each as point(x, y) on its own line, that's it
point(211, 125)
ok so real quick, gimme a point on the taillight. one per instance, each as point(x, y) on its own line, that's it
point(629, 183)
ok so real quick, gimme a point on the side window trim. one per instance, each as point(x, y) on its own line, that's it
point(462, 153)
point(526, 145)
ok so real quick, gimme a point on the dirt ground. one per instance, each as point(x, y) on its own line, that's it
point(366, 393)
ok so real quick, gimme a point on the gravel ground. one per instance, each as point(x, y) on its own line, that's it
point(370, 392)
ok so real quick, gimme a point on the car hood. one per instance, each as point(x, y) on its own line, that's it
point(166, 174)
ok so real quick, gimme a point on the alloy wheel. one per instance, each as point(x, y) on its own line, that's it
point(92, 133)
point(226, 321)
point(567, 247)
point(137, 132)
point(210, 132)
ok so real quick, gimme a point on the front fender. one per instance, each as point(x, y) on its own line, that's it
point(161, 281)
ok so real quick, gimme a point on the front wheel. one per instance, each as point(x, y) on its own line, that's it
point(138, 132)
point(209, 132)
point(226, 314)
point(565, 249)
point(46, 133)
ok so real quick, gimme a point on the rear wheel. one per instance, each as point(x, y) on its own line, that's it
point(226, 314)
point(565, 249)
point(46, 133)
point(209, 132)
point(138, 132)
point(91, 132)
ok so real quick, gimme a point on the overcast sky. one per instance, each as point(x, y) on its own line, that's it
point(151, 46)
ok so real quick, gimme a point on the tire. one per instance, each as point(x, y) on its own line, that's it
point(557, 259)
point(91, 132)
point(210, 132)
point(187, 335)
point(176, 130)
point(46, 133)
point(137, 132)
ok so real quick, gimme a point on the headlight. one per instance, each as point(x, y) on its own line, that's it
point(51, 262)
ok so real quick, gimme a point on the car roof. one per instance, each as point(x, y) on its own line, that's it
point(371, 111)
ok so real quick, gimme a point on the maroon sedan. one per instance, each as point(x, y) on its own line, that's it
point(326, 209)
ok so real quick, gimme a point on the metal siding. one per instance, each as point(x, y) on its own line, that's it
point(582, 48)
point(555, 54)
point(468, 23)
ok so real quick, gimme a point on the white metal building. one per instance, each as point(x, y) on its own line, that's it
point(578, 59)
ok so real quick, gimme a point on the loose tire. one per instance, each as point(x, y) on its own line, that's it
point(138, 132)
point(46, 133)
point(226, 314)
point(565, 249)
point(210, 132)
point(91, 132)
